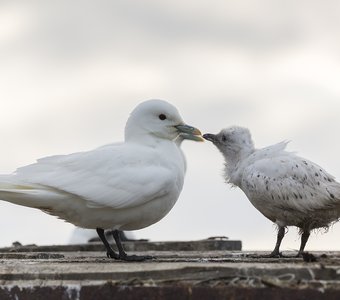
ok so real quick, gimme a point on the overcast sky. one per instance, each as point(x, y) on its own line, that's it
point(72, 71)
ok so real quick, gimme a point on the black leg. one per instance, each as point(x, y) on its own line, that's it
point(109, 251)
point(122, 253)
point(280, 235)
point(304, 238)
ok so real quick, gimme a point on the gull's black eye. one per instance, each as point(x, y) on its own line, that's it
point(162, 117)
point(224, 138)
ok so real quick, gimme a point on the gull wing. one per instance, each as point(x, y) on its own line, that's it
point(116, 176)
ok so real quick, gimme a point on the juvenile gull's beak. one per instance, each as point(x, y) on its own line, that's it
point(210, 137)
point(190, 133)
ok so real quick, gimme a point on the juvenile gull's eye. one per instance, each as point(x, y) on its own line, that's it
point(224, 138)
point(162, 117)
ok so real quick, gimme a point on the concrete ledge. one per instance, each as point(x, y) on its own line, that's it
point(214, 274)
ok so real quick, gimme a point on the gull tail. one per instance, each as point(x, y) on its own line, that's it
point(28, 194)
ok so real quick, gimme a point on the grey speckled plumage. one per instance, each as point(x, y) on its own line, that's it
point(285, 188)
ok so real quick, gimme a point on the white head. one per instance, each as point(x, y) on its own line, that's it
point(234, 142)
point(157, 119)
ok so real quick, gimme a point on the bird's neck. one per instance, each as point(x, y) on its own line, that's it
point(234, 165)
point(146, 139)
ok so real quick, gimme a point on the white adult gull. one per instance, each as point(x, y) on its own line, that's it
point(82, 235)
point(121, 186)
point(285, 188)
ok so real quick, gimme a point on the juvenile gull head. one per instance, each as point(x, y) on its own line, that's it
point(234, 143)
point(285, 188)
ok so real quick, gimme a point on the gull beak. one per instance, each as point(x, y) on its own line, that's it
point(210, 137)
point(190, 133)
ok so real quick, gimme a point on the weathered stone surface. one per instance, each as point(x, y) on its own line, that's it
point(172, 275)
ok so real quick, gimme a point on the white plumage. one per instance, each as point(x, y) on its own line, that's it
point(82, 235)
point(287, 189)
point(122, 186)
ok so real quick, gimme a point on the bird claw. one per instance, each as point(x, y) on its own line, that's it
point(135, 257)
point(271, 255)
point(111, 254)
point(275, 255)
point(307, 257)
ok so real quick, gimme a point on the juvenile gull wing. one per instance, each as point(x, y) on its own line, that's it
point(289, 182)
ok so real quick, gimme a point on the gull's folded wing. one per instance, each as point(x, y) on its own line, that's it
point(115, 176)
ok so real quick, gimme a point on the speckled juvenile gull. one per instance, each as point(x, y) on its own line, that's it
point(285, 188)
point(122, 186)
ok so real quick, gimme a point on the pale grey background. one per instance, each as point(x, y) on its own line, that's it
point(71, 72)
